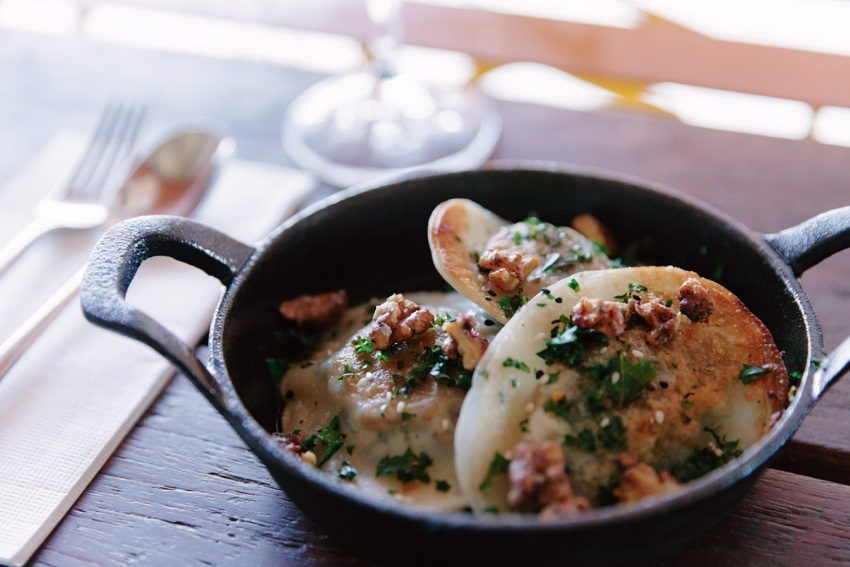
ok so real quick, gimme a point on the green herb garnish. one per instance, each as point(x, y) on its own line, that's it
point(574, 285)
point(621, 380)
point(568, 346)
point(330, 436)
point(560, 408)
point(583, 442)
point(499, 465)
point(518, 364)
point(706, 459)
point(363, 345)
point(750, 374)
point(633, 288)
point(442, 486)
point(613, 435)
point(347, 372)
point(406, 467)
point(511, 304)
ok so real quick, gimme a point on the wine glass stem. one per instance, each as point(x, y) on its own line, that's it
point(386, 19)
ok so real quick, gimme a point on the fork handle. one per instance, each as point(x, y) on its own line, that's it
point(25, 335)
point(22, 241)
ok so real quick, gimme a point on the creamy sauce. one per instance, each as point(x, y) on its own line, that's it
point(386, 417)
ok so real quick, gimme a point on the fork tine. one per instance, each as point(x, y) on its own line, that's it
point(91, 156)
point(112, 151)
point(126, 141)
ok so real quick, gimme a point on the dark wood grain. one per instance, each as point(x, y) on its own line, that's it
point(183, 489)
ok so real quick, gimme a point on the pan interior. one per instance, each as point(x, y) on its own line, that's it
point(374, 243)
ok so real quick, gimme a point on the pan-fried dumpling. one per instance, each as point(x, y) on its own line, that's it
point(612, 386)
point(499, 264)
point(377, 402)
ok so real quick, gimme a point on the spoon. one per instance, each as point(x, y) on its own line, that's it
point(172, 180)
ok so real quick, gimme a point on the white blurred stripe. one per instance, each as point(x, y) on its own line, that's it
point(51, 17)
point(214, 37)
point(540, 84)
point(737, 112)
point(832, 126)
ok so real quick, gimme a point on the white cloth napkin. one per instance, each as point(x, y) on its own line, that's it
point(70, 400)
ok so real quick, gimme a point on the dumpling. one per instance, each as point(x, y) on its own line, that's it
point(376, 404)
point(613, 386)
point(499, 264)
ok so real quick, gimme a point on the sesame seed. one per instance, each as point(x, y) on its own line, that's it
point(606, 421)
point(559, 300)
point(489, 322)
point(309, 457)
point(400, 407)
point(663, 385)
point(529, 407)
point(615, 377)
point(445, 424)
point(659, 416)
point(637, 353)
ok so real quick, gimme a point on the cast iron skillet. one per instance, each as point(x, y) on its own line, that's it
point(372, 241)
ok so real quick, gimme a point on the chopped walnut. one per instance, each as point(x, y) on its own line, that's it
point(507, 269)
point(640, 480)
point(397, 320)
point(463, 339)
point(695, 301)
point(539, 482)
point(603, 316)
point(290, 441)
point(315, 310)
point(660, 318)
point(595, 231)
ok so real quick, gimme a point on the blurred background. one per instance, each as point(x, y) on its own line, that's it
point(777, 68)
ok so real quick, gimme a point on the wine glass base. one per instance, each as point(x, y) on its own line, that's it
point(355, 128)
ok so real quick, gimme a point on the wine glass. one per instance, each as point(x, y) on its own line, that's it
point(352, 128)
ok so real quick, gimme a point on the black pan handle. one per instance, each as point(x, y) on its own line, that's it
point(116, 259)
point(814, 240)
point(804, 246)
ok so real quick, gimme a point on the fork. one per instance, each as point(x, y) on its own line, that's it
point(80, 203)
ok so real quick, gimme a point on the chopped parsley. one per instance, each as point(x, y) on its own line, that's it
point(382, 356)
point(330, 436)
point(278, 367)
point(584, 441)
point(560, 408)
point(442, 486)
point(444, 318)
point(796, 377)
point(704, 460)
point(750, 374)
point(406, 467)
point(405, 416)
point(574, 285)
point(347, 372)
point(363, 345)
point(349, 449)
point(296, 340)
point(553, 377)
point(633, 289)
point(523, 426)
point(511, 304)
point(499, 465)
point(514, 363)
point(491, 510)
point(346, 471)
point(434, 362)
point(613, 435)
point(622, 381)
point(568, 346)
point(513, 382)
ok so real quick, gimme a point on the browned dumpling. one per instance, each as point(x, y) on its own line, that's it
point(632, 381)
point(500, 265)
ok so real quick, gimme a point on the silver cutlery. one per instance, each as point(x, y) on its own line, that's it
point(173, 180)
point(79, 203)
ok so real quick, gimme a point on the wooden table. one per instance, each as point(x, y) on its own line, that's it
point(183, 489)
